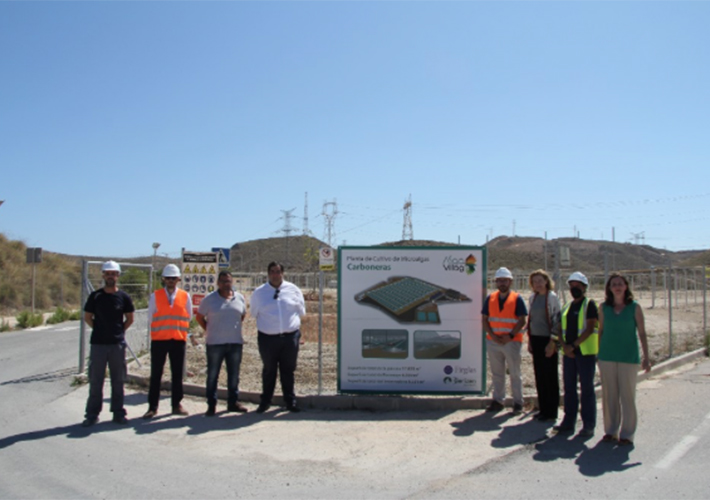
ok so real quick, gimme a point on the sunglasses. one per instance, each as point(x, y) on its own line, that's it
point(170, 278)
point(276, 293)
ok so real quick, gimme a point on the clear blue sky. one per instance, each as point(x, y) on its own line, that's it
point(194, 124)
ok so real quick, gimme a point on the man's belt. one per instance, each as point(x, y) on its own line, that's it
point(278, 334)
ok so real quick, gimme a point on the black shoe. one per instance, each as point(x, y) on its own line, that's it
point(120, 419)
point(237, 408)
point(179, 410)
point(150, 414)
point(517, 409)
point(211, 410)
point(293, 408)
point(563, 428)
point(263, 407)
point(494, 406)
point(544, 418)
point(88, 422)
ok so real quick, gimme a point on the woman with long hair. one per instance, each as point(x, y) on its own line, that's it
point(621, 327)
point(543, 332)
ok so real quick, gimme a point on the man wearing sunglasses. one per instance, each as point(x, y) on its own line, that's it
point(170, 310)
point(278, 306)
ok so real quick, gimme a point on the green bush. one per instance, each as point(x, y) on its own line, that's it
point(5, 326)
point(60, 316)
point(75, 315)
point(28, 320)
point(140, 303)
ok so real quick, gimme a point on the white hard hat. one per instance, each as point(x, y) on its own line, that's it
point(171, 271)
point(110, 265)
point(577, 276)
point(503, 272)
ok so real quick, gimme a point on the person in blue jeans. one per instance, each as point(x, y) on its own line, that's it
point(221, 314)
point(580, 345)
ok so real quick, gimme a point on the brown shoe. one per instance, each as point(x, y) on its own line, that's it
point(150, 414)
point(179, 410)
point(237, 408)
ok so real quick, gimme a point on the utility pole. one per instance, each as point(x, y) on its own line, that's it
point(156, 245)
point(545, 250)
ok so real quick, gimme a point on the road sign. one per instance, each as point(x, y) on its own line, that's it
point(34, 255)
point(326, 259)
point(223, 256)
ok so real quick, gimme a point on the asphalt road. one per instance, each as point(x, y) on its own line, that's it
point(45, 453)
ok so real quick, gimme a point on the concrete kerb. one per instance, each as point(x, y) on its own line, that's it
point(403, 403)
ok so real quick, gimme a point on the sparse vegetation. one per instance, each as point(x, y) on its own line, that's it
point(58, 279)
point(61, 315)
point(28, 320)
point(5, 326)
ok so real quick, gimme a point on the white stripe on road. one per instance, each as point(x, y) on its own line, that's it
point(677, 452)
point(685, 444)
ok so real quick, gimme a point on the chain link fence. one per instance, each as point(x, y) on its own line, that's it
point(674, 300)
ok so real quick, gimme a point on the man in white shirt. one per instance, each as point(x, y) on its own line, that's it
point(278, 306)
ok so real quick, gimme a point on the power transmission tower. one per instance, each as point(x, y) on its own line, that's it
point(306, 231)
point(407, 230)
point(330, 210)
point(639, 237)
point(287, 230)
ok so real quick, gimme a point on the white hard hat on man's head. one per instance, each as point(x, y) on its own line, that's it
point(171, 271)
point(110, 265)
point(577, 276)
point(503, 272)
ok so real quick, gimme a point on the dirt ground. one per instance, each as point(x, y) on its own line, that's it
point(687, 336)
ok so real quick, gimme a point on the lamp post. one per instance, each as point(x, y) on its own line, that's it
point(156, 245)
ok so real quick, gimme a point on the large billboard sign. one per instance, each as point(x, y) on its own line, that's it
point(410, 320)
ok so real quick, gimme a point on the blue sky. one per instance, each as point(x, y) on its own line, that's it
point(195, 124)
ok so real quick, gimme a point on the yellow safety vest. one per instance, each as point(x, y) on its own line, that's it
point(591, 345)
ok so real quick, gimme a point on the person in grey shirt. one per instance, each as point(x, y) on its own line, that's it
point(220, 315)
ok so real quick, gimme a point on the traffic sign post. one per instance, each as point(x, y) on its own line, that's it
point(34, 257)
point(222, 255)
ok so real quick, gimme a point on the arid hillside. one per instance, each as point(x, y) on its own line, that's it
point(59, 274)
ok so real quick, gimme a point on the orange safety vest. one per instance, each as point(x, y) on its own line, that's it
point(503, 322)
point(170, 322)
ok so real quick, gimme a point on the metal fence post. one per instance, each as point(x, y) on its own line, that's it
point(670, 311)
point(82, 323)
point(653, 287)
point(320, 335)
point(705, 300)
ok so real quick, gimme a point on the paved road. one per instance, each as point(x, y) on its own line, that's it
point(44, 452)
